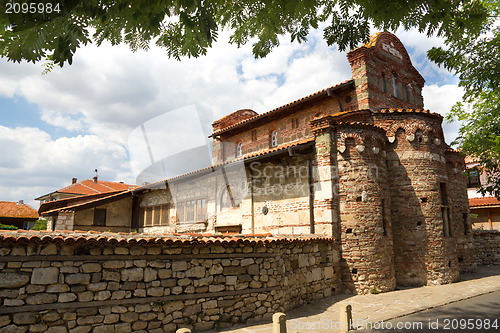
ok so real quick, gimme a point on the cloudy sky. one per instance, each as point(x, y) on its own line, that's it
point(82, 117)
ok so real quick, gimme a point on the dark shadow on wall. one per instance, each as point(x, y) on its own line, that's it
point(410, 234)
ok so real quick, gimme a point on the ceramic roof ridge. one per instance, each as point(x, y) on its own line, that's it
point(68, 237)
point(406, 110)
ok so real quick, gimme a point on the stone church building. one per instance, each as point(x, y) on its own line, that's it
point(361, 161)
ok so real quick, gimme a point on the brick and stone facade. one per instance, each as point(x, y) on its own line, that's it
point(361, 162)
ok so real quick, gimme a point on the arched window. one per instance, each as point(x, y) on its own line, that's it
point(274, 139)
point(384, 84)
point(238, 149)
point(407, 93)
point(394, 86)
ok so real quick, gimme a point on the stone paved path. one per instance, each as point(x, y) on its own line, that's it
point(321, 316)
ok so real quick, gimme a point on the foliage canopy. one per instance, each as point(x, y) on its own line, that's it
point(475, 57)
point(190, 27)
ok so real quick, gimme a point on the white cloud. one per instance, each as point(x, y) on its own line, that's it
point(440, 99)
point(33, 164)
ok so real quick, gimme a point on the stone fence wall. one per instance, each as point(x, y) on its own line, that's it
point(123, 283)
point(487, 247)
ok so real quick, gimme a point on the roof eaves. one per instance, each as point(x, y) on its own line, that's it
point(326, 91)
point(162, 184)
point(92, 203)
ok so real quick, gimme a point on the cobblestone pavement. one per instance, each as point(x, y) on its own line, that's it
point(321, 316)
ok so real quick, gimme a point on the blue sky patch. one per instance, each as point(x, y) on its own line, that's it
point(18, 112)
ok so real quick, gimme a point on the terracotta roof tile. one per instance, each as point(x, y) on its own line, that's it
point(451, 150)
point(14, 209)
point(485, 201)
point(400, 110)
point(265, 114)
point(82, 238)
point(88, 186)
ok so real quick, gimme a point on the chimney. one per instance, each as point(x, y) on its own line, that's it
point(20, 202)
point(95, 179)
point(73, 181)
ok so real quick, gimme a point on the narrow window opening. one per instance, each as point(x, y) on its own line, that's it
point(254, 135)
point(384, 84)
point(384, 220)
point(354, 271)
point(348, 231)
point(407, 93)
point(239, 149)
point(445, 210)
point(444, 194)
point(394, 86)
point(423, 200)
point(466, 223)
point(274, 139)
point(419, 138)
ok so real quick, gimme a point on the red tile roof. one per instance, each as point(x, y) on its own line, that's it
point(95, 237)
point(400, 110)
point(485, 201)
point(88, 186)
point(14, 209)
point(283, 107)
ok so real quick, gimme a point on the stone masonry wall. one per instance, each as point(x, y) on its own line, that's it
point(116, 283)
point(459, 205)
point(365, 212)
point(487, 246)
point(424, 253)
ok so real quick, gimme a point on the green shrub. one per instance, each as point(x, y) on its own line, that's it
point(7, 227)
point(40, 224)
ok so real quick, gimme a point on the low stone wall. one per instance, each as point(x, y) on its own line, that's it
point(487, 247)
point(122, 283)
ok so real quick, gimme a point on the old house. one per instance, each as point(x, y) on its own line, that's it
point(18, 214)
point(88, 205)
point(361, 161)
point(485, 209)
point(109, 211)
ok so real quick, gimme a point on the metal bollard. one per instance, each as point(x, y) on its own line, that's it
point(183, 330)
point(345, 318)
point(279, 322)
